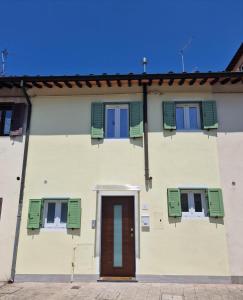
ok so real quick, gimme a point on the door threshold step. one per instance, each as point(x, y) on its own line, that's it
point(117, 279)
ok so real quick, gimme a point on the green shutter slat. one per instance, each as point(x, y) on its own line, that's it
point(74, 213)
point(169, 115)
point(209, 114)
point(136, 119)
point(97, 120)
point(215, 203)
point(174, 202)
point(35, 213)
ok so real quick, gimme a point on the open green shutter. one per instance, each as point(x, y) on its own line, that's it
point(35, 213)
point(174, 202)
point(215, 203)
point(74, 213)
point(169, 115)
point(136, 119)
point(209, 114)
point(97, 120)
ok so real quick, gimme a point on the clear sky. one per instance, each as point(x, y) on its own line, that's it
point(110, 36)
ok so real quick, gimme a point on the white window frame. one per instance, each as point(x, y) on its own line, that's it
point(186, 107)
point(57, 220)
point(191, 205)
point(117, 108)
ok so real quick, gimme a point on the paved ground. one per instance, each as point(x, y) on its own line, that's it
point(119, 291)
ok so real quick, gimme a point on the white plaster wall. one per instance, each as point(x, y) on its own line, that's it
point(11, 157)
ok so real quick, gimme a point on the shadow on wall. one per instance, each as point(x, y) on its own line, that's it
point(216, 221)
point(74, 118)
point(73, 232)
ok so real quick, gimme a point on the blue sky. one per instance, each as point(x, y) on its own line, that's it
point(110, 36)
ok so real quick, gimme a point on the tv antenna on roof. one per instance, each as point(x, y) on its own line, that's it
point(4, 56)
point(182, 52)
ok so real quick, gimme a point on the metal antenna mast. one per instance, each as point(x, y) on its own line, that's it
point(4, 56)
point(181, 52)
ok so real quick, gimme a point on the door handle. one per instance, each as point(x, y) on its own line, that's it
point(131, 229)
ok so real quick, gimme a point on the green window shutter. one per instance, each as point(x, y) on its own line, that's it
point(97, 120)
point(35, 214)
point(136, 119)
point(169, 115)
point(209, 114)
point(174, 202)
point(215, 203)
point(74, 213)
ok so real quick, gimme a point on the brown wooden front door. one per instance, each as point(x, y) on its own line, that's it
point(117, 237)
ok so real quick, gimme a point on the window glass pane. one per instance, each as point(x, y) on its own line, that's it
point(110, 123)
point(7, 121)
point(184, 203)
point(198, 202)
point(64, 209)
point(193, 117)
point(51, 212)
point(117, 259)
point(123, 122)
point(180, 118)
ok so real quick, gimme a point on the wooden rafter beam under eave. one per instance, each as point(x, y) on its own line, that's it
point(68, 84)
point(192, 81)
point(78, 84)
point(224, 81)
point(37, 85)
point(203, 81)
point(236, 80)
point(98, 83)
point(58, 84)
point(160, 82)
point(129, 82)
point(215, 80)
point(119, 83)
point(47, 84)
point(171, 81)
point(150, 82)
point(139, 82)
point(88, 84)
point(108, 82)
point(181, 81)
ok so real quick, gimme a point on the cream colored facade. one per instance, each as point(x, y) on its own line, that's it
point(11, 158)
point(64, 161)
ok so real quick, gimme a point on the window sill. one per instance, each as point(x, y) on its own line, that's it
point(54, 229)
point(189, 130)
point(194, 218)
point(116, 139)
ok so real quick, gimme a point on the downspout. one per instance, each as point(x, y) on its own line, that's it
point(148, 179)
point(22, 183)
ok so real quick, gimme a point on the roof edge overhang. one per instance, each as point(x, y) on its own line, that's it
point(130, 79)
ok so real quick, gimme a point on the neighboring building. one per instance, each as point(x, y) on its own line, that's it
point(236, 63)
point(12, 142)
point(105, 198)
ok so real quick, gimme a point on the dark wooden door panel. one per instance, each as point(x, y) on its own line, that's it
point(126, 265)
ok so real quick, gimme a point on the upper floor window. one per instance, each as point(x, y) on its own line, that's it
point(117, 121)
point(188, 116)
point(193, 204)
point(241, 68)
point(5, 120)
point(55, 213)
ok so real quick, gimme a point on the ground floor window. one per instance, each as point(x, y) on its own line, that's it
point(55, 213)
point(193, 203)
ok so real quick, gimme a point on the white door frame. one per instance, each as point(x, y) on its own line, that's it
point(115, 190)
